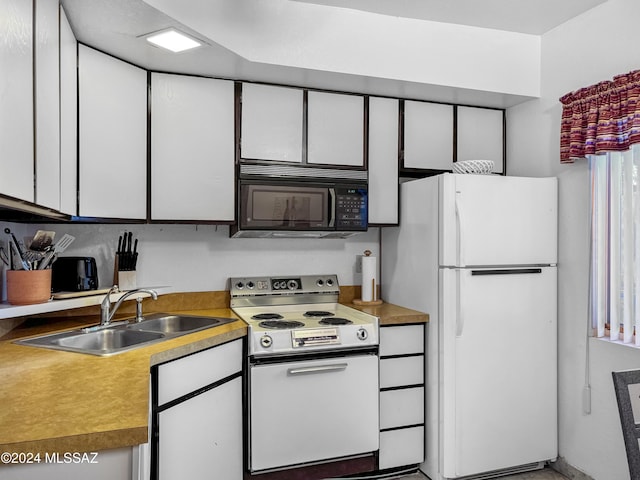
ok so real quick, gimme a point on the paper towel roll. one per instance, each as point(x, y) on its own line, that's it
point(369, 278)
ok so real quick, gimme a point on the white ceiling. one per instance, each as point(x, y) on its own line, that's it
point(525, 16)
point(114, 26)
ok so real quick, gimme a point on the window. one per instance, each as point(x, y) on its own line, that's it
point(615, 245)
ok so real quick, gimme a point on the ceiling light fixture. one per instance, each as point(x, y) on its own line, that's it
point(173, 40)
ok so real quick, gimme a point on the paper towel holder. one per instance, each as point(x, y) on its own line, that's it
point(374, 287)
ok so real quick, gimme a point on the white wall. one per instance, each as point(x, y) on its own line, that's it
point(192, 258)
point(593, 47)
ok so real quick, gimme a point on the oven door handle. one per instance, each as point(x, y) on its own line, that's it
point(336, 367)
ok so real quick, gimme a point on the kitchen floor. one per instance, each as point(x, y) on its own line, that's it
point(544, 474)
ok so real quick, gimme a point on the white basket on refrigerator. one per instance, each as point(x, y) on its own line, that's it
point(482, 167)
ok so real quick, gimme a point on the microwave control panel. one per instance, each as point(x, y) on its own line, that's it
point(351, 208)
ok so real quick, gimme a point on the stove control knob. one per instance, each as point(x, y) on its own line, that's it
point(266, 341)
point(292, 285)
point(362, 334)
point(320, 282)
point(329, 282)
point(250, 285)
point(239, 285)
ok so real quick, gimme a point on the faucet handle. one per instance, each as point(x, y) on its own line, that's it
point(106, 302)
point(139, 316)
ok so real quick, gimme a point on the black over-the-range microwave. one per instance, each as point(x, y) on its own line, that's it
point(272, 208)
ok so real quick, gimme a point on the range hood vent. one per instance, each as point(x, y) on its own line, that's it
point(290, 234)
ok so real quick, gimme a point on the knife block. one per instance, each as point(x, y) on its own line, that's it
point(125, 279)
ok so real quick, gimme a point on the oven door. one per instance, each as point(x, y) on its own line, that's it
point(314, 410)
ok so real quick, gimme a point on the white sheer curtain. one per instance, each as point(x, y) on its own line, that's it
point(615, 245)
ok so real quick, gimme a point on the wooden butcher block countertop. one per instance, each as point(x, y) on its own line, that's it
point(56, 401)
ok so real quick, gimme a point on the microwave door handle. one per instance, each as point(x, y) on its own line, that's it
point(332, 208)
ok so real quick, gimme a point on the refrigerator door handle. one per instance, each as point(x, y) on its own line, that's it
point(459, 309)
point(459, 223)
point(506, 271)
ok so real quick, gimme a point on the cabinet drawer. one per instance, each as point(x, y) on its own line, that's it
point(402, 340)
point(399, 371)
point(401, 447)
point(190, 373)
point(402, 407)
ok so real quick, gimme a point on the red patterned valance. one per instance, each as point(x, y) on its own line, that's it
point(602, 118)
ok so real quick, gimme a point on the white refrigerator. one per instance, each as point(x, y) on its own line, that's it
point(478, 253)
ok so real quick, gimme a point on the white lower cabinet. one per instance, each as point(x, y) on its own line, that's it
point(402, 395)
point(197, 424)
point(202, 437)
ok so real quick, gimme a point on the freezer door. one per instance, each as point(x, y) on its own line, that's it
point(497, 220)
point(498, 372)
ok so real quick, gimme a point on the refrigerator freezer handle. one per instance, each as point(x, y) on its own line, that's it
point(460, 236)
point(459, 309)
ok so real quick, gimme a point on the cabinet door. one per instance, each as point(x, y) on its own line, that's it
point(16, 95)
point(480, 135)
point(271, 123)
point(383, 161)
point(68, 118)
point(201, 438)
point(335, 129)
point(428, 136)
point(47, 94)
point(113, 137)
point(192, 148)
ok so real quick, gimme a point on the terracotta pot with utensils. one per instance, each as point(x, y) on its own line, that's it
point(28, 287)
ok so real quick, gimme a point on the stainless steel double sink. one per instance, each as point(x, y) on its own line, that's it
point(121, 338)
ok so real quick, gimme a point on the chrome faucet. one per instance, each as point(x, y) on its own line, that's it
point(106, 314)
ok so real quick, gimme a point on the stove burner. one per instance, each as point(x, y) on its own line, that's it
point(267, 316)
point(335, 321)
point(281, 324)
point(318, 313)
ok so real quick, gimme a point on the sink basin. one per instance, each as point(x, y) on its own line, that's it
point(168, 323)
point(107, 340)
point(116, 339)
point(101, 342)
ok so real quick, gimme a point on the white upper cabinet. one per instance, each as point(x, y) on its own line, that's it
point(480, 135)
point(113, 137)
point(335, 129)
point(192, 148)
point(271, 123)
point(47, 91)
point(68, 118)
point(383, 160)
point(428, 135)
point(16, 98)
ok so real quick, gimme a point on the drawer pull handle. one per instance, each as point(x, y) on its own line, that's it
point(317, 369)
